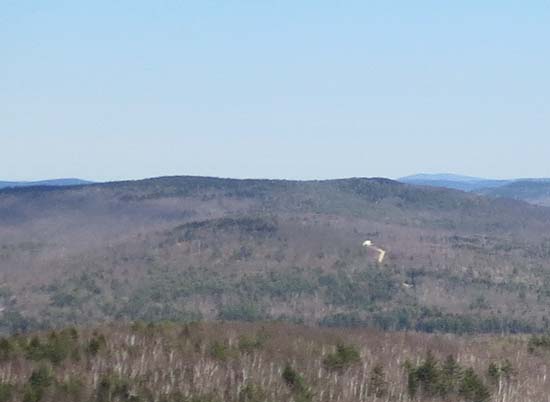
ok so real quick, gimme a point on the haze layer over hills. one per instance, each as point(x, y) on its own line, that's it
point(534, 191)
point(188, 248)
point(53, 182)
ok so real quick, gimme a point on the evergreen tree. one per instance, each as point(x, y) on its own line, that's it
point(451, 373)
point(428, 375)
point(295, 382)
point(377, 385)
point(472, 388)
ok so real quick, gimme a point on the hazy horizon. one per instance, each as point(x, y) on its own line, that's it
point(267, 178)
point(127, 90)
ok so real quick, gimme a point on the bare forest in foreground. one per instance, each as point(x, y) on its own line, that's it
point(260, 362)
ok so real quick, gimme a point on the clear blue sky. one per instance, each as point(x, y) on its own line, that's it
point(109, 89)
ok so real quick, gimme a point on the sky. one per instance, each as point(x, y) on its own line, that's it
point(127, 89)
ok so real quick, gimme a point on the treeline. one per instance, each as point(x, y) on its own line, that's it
point(433, 321)
point(407, 319)
point(411, 318)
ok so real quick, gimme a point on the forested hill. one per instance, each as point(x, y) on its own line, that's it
point(196, 248)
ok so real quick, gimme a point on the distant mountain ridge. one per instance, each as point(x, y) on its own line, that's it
point(454, 181)
point(532, 190)
point(442, 177)
point(50, 182)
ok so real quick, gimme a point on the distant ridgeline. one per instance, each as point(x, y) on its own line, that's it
point(534, 191)
point(42, 183)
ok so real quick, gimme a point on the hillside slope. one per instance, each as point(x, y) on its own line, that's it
point(187, 248)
